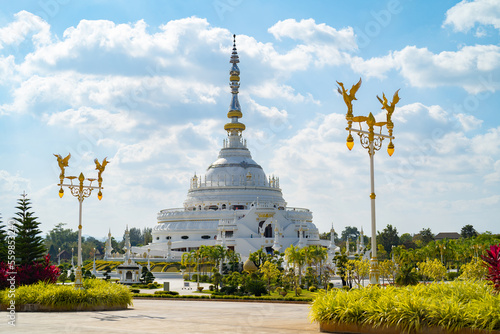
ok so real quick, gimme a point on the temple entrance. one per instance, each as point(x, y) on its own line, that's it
point(268, 232)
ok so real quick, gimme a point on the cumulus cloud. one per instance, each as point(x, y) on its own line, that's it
point(25, 25)
point(268, 112)
point(273, 89)
point(86, 118)
point(469, 68)
point(464, 15)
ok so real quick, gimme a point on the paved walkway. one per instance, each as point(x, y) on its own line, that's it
point(171, 316)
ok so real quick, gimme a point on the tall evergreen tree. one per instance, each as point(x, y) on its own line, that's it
point(388, 238)
point(3, 242)
point(29, 243)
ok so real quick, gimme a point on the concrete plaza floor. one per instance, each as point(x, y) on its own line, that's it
point(170, 316)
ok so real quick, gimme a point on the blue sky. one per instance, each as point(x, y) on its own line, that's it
point(146, 84)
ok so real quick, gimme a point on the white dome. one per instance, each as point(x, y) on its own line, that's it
point(233, 165)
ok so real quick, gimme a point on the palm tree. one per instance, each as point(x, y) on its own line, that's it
point(233, 258)
point(187, 260)
point(296, 256)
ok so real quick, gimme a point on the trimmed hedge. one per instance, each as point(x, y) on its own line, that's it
point(229, 297)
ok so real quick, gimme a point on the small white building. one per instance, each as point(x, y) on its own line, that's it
point(129, 271)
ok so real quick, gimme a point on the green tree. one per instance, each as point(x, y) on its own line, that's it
point(270, 273)
point(147, 235)
point(135, 236)
point(433, 269)
point(296, 256)
point(406, 275)
point(407, 240)
point(388, 271)
point(474, 270)
point(468, 231)
point(388, 238)
point(29, 243)
point(327, 235)
point(360, 269)
point(350, 232)
point(424, 236)
point(340, 261)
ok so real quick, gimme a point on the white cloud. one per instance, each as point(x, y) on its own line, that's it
point(273, 90)
point(468, 67)
point(374, 67)
point(495, 175)
point(469, 122)
point(464, 15)
point(86, 118)
point(268, 112)
point(26, 24)
point(12, 183)
point(311, 33)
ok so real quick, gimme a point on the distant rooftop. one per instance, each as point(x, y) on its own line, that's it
point(447, 235)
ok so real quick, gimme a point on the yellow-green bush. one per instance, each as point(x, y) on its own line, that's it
point(95, 293)
point(453, 306)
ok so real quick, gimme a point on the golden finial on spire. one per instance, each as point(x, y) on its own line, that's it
point(234, 127)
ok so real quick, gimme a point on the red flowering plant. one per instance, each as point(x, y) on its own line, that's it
point(29, 273)
point(492, 260)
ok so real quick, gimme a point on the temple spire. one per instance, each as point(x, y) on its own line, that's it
point(234, 128)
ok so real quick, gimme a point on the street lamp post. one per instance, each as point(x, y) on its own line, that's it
point(81, 191)
point(94, 271)
point(59, 257)
point(372, 141)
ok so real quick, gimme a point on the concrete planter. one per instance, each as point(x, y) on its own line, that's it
point(364, 329)
point(75, 308)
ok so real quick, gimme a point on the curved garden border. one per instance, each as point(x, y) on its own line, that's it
point(76, 308)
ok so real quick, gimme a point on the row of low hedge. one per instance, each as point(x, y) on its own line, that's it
point(96, 294)
point(229, 297)
point(450, 306)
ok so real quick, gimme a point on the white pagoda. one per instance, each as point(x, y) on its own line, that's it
point(234, 204)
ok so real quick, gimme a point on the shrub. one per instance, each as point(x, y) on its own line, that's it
point(185, 277)
point(135, 290)
point(298, 292)
point(474, 270)
point(312, 288)
point(452, 275)
point(170, 293)
point(452, 306)
point(30, 273)
point(211, 287)
point(194, 277)
point(406, 275)
point(228, 290)
point(204, 278)
point(492, 259)
point(256, 287)
point(94, 293)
